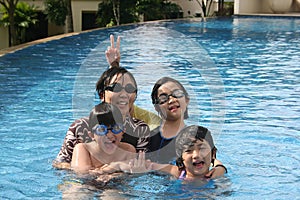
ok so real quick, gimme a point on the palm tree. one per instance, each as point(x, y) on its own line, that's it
point(24, 15)
point(69, 17)
point(205, 7)
point(10, 7)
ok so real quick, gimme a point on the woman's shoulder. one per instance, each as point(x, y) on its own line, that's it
point(136, 124)
point(148, 117)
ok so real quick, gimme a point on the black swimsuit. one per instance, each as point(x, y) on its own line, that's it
point(161, 149)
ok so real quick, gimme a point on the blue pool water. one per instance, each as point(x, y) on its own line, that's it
point(243, 75)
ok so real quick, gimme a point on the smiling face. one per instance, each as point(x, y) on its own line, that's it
point(172, 108)
point(109, 142)
point(123, 99)
point(197, 158)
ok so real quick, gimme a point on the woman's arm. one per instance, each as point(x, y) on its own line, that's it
point(77, 133)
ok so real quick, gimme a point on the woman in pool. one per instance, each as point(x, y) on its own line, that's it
point(118, 87)
point(106, 130)
point(113, 58)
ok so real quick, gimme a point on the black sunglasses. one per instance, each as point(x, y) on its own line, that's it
point(163, 98)
point(117, 87)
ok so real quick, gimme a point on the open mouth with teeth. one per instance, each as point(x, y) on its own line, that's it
point(110, 145)
point(199, 164)
point(123, 102)
point(173, 108)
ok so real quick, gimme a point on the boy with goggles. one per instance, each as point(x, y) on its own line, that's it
point(102, 130)
point(106, 130)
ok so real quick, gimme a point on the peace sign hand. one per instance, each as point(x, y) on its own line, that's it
point(112, 53)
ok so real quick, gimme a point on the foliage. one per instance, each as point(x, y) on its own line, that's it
point(228, 8)
point(56, 11)
point(130, 10)
point(158, 9)
point(24, 16)
point(106, 17)
point(172, 10)
point(105, 14)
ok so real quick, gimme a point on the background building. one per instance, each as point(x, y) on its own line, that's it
point(288, 7)
point(84, 12)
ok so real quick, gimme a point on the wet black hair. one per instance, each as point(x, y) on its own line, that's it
point(159, 83)
point(106, 114)
point(107, 76)
point(188, 136)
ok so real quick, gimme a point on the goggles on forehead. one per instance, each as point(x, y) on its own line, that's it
point(117, 87)
point(102, 130)
point(163, 98)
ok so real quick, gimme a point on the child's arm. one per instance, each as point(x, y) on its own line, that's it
point(140, 165)
point(166, 168)
point(81, 161)
point(115, 167)
point(218, 170)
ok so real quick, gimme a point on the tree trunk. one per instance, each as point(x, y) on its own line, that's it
point(12, 29)
point(208, 5)
point(221, 8)
point(201, 9)
point(69, 17)
point(116, 10)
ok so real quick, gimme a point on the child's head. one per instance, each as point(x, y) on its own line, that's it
point(195, 150)
point(165, 88)
point(106, 120)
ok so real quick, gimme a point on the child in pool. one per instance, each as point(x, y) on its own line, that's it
point(106, 129)
point(195, 152)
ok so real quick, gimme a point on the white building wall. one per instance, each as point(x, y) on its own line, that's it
point(191, 8)
point(78, 7)
point(4, 37)
point(262, 6)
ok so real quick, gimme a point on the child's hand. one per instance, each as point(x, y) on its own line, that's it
point(140, 165)
point(96, 171)
point(114, 167)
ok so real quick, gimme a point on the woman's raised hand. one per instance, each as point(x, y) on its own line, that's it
point(112, 53)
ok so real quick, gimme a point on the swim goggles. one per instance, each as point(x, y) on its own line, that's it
point(117, 87)
point(163, 98)
point(102, 130)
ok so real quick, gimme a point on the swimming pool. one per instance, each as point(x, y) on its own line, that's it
point(243, 74)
